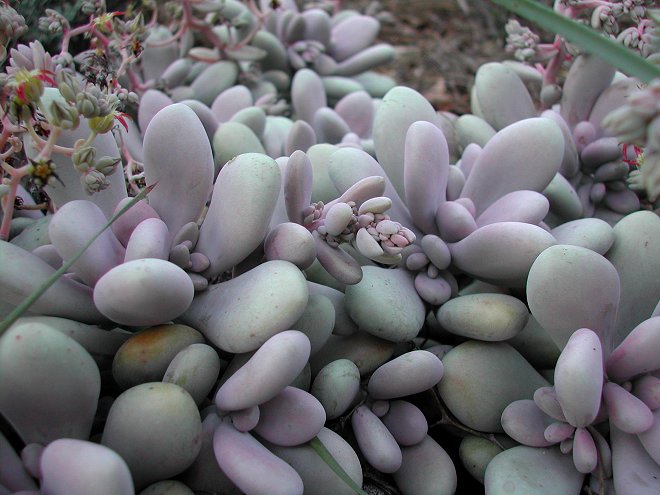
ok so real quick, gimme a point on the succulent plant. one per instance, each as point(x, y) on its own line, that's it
point(326, 272)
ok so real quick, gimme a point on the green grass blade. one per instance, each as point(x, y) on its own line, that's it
point(30, 300)
point(326, 456)
point(588, 39)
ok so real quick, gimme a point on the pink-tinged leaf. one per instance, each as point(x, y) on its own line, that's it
point(337, 262)
point(638, 353)
point(426, 167)
point(647, 389)
point(504, 164)
point(626, 411)
point(523, 421)
point(546, 399)
point(585, 455)
point(558, 432)
point(297, 186)
point(579, 378)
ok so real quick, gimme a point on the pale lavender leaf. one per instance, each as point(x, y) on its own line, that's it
point(426, 167)
point(317, 25)
point(650, 439)
point(517, 206)
point(586, 80)
point(365, 60)
point(454, 221)
point(357, 109)
point(499, 171)
point(213, 80)
point(626, 411)
point(71, 466)
point(585, 454)
point(264, 473)
point(149, 239)
point(249, 185)
point(502, 253)
point(400, 107)
point(72, 227)
point(558, 432)
point(225, 315)
point(579, 377)
point(570, 164)
point(301, 137)
point(523, 421)
point(375, 441)
point(635, 472)
point(151, 102)
point(329, 126)
point(297, 185)
point(337, 262)
point(638, 353)
point(181, 172)
point(307, 94)
point(503, 98)
point(546, 399)
point(469, 157)
point(352, 35)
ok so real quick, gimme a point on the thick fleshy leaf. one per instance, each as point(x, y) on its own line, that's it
point(307, 94)
point(523, 421)
point(23, 273)
point(72, 467)
point(634, 254)
point(400, 107)
point(571, 287)
point(213, 80)
point(225, 313)
point(638, 353)
point(498, 170)
point(353, 34)
point(357, 109)
point(635, 472)
point(264, 473)
point(585, 455)
point(266, 373)
point(482, 378)
point(501, 253)
point(525, 470)
point(426, 166)
point(50, 385)
point(75, 224)
point(517, 206)
point(244, 197)
point(184, 173)
point(586, 80)
point(365, 60)
point(503, 97)
point(626, 411)
point(301, 137)
point(579, 377)
point(426, 469)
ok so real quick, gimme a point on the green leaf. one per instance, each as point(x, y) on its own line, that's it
point(326, 456)
point(588, 39)
point(30, 300)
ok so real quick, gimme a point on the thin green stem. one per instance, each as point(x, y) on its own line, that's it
point(32, 298)
point(326, 456)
